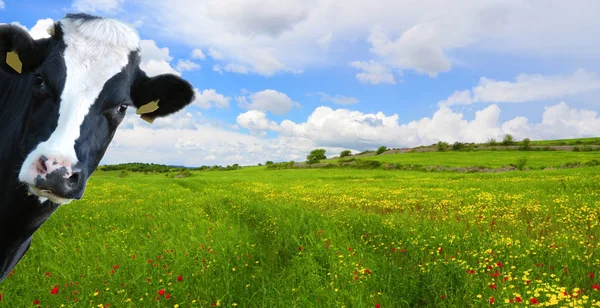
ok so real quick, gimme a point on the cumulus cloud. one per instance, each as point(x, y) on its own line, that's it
point(156, 60)
point(256, 121)
point(92, 6)
point(187, 65)
point(198, 54)
point(526, 88)
point(373, 72)
point(268, 100)
point(190, 140)
point(39, 30)
point(347, 128)
point(209, 97)
point(404, 35)
point(337, 99)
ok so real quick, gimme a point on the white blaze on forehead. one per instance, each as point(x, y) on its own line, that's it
point(96, 50)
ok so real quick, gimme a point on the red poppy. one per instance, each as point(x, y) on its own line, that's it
point(0, 297)
point(54, 290)
point(493, 286)
point(116, 266)
point(443, 296)
point(533, 301)
point(377, 306)
point(180, 278)
point(491, 300)
point(35, 302)
point(596, 287)
point(168, 296)
point(519, 300)
point(161, 292)
point(499, 264)
point(48, 274)
point(300, 248)
point(592, 275)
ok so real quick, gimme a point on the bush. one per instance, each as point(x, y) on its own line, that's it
point(526, 144)
point(457, 146)
point(345, 153)
point(508, 140)
point(492, 142)
point(442, 146)
point(576, 149)
point(521, 162)
point(381, 150)
point(315, 156)
point(268, 162)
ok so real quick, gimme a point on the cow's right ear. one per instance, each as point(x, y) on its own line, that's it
point(19, 52)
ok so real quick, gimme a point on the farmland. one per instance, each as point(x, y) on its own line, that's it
point(324, 238)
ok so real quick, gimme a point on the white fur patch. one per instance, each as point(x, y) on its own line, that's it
point(96, 50)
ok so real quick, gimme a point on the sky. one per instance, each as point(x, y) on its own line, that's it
point(275, 79)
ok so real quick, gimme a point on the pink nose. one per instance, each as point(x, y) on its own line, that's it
point(47, 165)
point(58, 176)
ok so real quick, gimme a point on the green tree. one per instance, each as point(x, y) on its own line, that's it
point(526, 144)
point(508, 139)
point(381, 149)
point(345, 153)
point(315, 156)
point(442, 146)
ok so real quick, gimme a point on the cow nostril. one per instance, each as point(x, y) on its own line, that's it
point(41, 165)
point(74, 178)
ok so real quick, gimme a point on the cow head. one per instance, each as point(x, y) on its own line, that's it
point(82, 81)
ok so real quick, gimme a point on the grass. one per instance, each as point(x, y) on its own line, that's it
point(575, 141)
point(490, 159)
point(319, 238)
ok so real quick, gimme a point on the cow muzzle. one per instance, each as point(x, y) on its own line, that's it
point(56, 178)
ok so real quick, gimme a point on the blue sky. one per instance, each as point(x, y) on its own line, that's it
point(276, 79)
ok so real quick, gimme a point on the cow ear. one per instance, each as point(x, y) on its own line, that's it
point(161, 95)
point(19, 52)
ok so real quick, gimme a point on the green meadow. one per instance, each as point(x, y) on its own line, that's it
point(488, 159)
point(258, 237)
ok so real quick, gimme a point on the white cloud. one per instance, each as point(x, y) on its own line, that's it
point(154, 68)
point(236, 68)
point(2, 6)
point(198, 54)
point(347, 128)
point(187, 65)
point(217, 68)
point(373, 72)
point(268, 100)
point(185, 139)
point(526, 88)
point(155, 60)
point(256, 121)
point(39, 30)
point(337, 99)
point(92, 6)
point(404, 35)
point(150, 51)
point(215, 54)
point(209, 97)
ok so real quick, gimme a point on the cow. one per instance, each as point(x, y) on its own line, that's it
point(61, 100)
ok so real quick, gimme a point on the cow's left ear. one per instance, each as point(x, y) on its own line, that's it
point(19, 52)
point(161, 95)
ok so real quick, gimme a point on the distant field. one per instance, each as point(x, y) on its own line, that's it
point(575, 141)
point(490, 159)
point(321, 238)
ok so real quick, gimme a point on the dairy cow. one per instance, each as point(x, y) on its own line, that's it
point(61, 100)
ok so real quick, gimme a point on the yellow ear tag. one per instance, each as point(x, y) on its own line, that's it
point(148, 108)
point(12, 59)
point(147, 118)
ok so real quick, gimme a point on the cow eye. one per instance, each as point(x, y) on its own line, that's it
point(39, 80)
point(122, 108)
